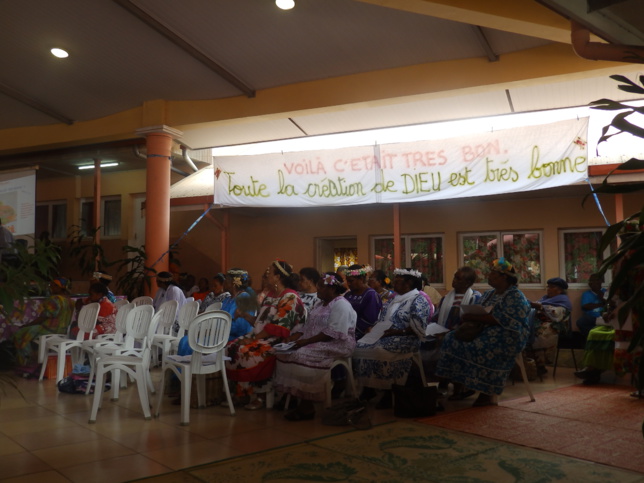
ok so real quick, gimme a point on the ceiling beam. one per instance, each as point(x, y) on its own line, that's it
point(182, 43)
point(523, 17)
point(34, 104)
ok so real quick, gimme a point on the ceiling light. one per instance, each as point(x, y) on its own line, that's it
point(285, 4)
point(104, 165)
point(60, 53)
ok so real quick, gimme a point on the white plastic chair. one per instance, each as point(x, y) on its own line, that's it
point(346, 363)
point(88, 346)
point(143, 300)
point(213, 307)
point(137, 324)
point(207, 336)
point(133, 361)
point(120, 303)
point(168, 315)
point(187, 313)
point(60, 346)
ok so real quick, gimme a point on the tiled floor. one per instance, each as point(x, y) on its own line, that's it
point(44, 435)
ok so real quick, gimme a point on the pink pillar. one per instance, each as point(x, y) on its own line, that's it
point(157, 205)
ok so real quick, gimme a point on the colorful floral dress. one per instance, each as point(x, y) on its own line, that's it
point(388, 360)
point(58, 310)
point(303, 373)
point(485, 363)
point(252, 362)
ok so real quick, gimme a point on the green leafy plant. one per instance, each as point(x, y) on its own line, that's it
point(30, 275)
point(137, 279)
point(89, 255)
point(627, 260)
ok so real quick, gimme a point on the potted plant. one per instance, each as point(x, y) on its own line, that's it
point(627, 260)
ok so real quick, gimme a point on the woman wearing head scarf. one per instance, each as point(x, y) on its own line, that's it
point(484, 363)
point(55, 316)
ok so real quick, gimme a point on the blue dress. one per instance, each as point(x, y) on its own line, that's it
point(239, 327)
point(485, 363)
point(387, 361)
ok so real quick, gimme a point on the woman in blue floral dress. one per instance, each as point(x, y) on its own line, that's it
point(379, 364)
point(484, 363)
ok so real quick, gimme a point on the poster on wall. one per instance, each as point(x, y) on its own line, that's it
point(18, 200)
point(511, 160)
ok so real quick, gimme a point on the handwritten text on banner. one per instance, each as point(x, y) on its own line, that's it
point(521, 159)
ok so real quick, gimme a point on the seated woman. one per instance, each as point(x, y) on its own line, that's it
point(217, 294)
point(484, 363)
point(379, 364)
point(251, 361)
point(105, 279)
point(55, 316)
point(327, 335)
point(553, 310)
point(593, 303)
point(308, 287)
point(203, 289)
point(106, 322)
point(237, 305)
point(448, 313)
point(364, 300)
point(380, 283)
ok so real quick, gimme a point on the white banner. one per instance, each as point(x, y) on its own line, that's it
point(18, 201)
point(512, 160)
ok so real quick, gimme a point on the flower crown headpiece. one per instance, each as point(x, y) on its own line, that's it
point(280, 268)
point(503, 266)
point(238, 277)
point(403, 271)
point(359, 272)
point(329, 279)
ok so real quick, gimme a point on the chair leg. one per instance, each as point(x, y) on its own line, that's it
point(142, 386)
point(43, 366)
point(229, 399)
point(160, 397)
point(524, 375)
point(554, 370)
point(98, 393)
point(186, 387)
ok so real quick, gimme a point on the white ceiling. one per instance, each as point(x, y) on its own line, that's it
point(118, 61)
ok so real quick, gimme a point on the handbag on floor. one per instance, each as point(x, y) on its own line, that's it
point(414, 401)
point(347, 413)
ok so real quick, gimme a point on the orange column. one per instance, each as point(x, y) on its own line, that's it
point(157, 205)
point(97, 206)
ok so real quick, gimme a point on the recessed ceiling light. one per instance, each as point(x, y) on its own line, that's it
point(103, 165)
point(60, 53)
point(285, 4)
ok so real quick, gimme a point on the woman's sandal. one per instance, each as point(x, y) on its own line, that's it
point(296, 415)
point(459, 396)
point(254, 405)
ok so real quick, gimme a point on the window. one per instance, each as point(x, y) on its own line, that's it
point(521, 249)
point(579, 255)
point(110, 216)
point(51, 217)
point(420, 252)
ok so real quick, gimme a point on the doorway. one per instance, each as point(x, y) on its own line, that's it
point(334, 252)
